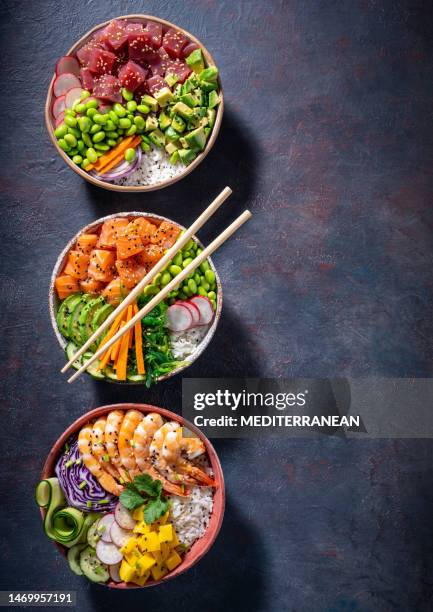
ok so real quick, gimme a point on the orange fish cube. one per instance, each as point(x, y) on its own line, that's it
point(87, 242)
point(101, 266)
point(115, 292)
point(166, 235)
point(65, 285)
point(77, 264)
point(110, 232)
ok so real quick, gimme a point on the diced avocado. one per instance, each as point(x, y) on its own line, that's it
point(178, 124)
point(209, 74)
point(211, 114)
point(177, 91)
point(151, 123)
point(207, 131)
point(170, 148)
point(196, 139)
point(187, 156)
point(183, 110)
point(195, 60)
point(189, 100)
point(171, 135)
point(193, 124)
point(187, 87)
point(157, 137)
point(183, 142)
point(201, 96)
point(213, 99)
point(171, 79)
point(200, 111)
point(149, 101)
point(174, 157)
point(204, 121)
point(164, 121)
point(208, 85)
point(163, 96)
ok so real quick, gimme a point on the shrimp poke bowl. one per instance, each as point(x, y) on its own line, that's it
point(97, 270)
point(135, 105)
point(129, 499)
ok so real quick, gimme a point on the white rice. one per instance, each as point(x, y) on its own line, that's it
point(154, 168)
point(191, 515)
point(183, 344)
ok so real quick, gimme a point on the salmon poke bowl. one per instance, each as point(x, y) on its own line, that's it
point(132, 495)
point(135, 105)
point(97, 270)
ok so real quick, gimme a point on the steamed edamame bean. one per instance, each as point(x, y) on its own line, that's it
point(165, 279)
point(64, 145)
point(100, 119)
point(102, 147)
point(92, 104)
point(91, 155)
point(80, 108)
point(192, 285)
point(139, 122)
point(84, 94)
point(70, 121)
point(99, 136)
point(61, 131)
point(131, 105)
point(142, 108)
point(71, 140)
point(210, 276)
point(74, 132)
point(186, 262)
point(127, 95)
point(77, 159)
point(211, 295)
point(174, 269)
point(130, 155)
point(125, 123)
point(111, 142)
point(202, 291)
point(204, 266)
point(91, 112)
point(95, 128)
point(86, 139)
point(119, 110)
point(84, 123)
point(177, 260)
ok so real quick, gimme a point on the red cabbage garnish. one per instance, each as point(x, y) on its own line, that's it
point(72, 473)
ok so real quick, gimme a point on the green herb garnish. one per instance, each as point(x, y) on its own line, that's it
point(143, 490)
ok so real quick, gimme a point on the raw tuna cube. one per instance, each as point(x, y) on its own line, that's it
point(107, 87)
point(158, 62)
point(140, 48)
point(189, 48)
point(115, 35)
point(134, 27)
point(155, 83)
point(155, 30)
point(178, 68)
point(86, 79)
point(121, 59)
point(84, 54)
point(173, 42)
point(131, 75)
point(101, 61)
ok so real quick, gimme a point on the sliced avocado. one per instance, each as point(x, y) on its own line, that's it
point(204, 121)
point(151, 123)
point(174, 157)
point(171, 135)
point(170, 148)
point(157, 137)
point(171, 79)
point(178, 124)
point(73, 320)
point(183, 110)
point(213, 99)
point(149, 101)
point(209, 74)
point(211, 114)
point(163, 96)
point(187, 155)
point(208, 86)
point(86, 317)
point(189, 100)
point(196, 139)
point(164, 121)
point(100, 315)
point(65, 310)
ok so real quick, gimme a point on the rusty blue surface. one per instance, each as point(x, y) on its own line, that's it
point(327, 138)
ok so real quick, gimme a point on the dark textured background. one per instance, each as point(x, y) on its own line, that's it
point(327, 138)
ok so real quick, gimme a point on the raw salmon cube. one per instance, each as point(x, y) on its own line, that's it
point(87, 242)
point(130, 272)
point(110, 232)
point(128, 244)
point(77, 264)
point(166, 235)
point(65, 285)
point(115, 292)
point(101, 266)
point(90, 285)
point(150, 254)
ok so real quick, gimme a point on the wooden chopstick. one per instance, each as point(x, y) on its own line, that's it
point(231, 229)
point(178, 245)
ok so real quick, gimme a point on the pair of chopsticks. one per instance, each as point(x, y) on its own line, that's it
point(178, 245)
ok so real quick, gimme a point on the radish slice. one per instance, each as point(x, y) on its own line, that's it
point(108, 553)
point(114, 572)
point(68, 65)
point(205, 307)
point(64, 83)
point(72, 96)
point(60, 119)
point(123, 517)
point(59, 106)
point(179, 318)
point(119, 536)
point(104, 527)
point(195, 313)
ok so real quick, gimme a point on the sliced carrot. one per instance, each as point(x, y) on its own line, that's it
point(104, 159)
point(116, 346)
point(118, 157)
point(113, 329)
point(122, 359)
point(139, 344)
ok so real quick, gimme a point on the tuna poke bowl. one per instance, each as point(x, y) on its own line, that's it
point(135, 105)
point(133, 495)
point(97, 270)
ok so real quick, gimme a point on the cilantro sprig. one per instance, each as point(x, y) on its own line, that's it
point(144, 491)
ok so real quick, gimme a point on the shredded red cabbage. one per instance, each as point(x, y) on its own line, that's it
point(72, 472)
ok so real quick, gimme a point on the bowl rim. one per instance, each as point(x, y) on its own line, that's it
point(135, 188)
point(53, 306)
point(48, 471)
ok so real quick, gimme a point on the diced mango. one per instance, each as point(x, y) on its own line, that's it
point(133, 556)
point(157, 555)
point(158, 572)
point(130, 545)
point(141, 581)
point(144, 563)
point(149, 542)
point(173, 560)
point(141, 527)
point(138, 514)
point(175, 542)
point(165, 551)
point(126, 571)
point(166, 533)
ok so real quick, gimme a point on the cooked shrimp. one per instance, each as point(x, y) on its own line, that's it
point(98, 447)
point(175, 446)
point(111, 438)
point(92, 464)
point(125, 442)
point(143, 437)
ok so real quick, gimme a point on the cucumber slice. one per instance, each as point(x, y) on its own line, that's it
point(93, 535)
point(91, 567)
point(49, 495)
point(74, 558)
point(90, 518)
point(86, 317)
point(71, 349)
point(65, 310)
point(93, 368)
point(136, 377)
point(110, 373)
point(73, 320)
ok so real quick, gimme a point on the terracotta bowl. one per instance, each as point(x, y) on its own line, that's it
point(54, 302)
point(201, 546)
point(49, 120)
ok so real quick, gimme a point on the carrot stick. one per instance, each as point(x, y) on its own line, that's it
point(113, 329)
point(110, 154)
point(139, 344)
point(118, 158)
point(122, 360)
point(116, 346)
